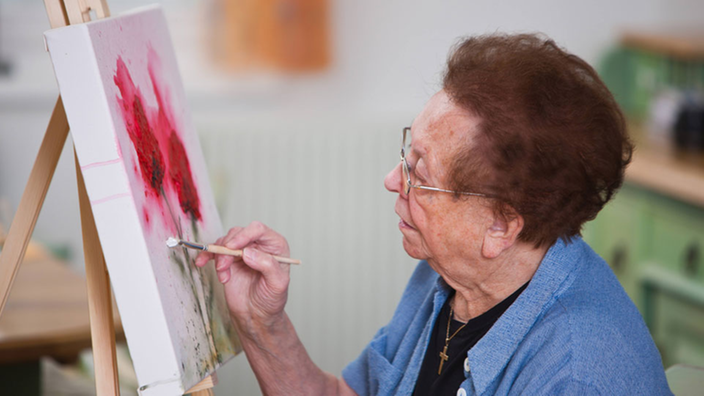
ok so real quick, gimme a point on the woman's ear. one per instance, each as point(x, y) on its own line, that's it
point(502, 234)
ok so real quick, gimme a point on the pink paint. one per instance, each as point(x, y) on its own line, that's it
point(101, 163)
point(118, 147)
point(161, 156)
point(109, 198)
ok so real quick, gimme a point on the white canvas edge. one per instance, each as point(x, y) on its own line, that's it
point(162, 378)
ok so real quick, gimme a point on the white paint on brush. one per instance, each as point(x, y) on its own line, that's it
point(172, 242)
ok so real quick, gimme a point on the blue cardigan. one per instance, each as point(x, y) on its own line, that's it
point(573, 330)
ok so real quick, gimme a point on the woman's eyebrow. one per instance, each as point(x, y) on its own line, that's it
point(418, 149)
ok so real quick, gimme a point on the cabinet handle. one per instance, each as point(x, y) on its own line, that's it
point(619, 257)
point(691, 259)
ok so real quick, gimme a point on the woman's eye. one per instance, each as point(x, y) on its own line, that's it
point(418, 175)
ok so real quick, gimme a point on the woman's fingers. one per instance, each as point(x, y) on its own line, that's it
point(232, 232)
point(257, 232)
point(203, 257)
point(223, 261)
point(258, 241)
point(274, 273)
point(256, 285)
point(224, 275)
point(252, 233)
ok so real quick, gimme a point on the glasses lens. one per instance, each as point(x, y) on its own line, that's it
point(405, 145)
point(406, 177)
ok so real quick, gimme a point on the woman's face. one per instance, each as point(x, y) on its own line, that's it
point(436, 226)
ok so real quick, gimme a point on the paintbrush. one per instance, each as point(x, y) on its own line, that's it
point(173, 242)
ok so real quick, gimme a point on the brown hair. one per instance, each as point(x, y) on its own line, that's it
point(552, 142)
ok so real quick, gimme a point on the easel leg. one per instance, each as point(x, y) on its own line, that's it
point(102, 326)
point(204, 388)
point(32, 200)
point(205, 392)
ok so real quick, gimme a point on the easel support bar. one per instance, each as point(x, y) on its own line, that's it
point(32, 200)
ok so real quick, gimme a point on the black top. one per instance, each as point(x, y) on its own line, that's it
point(452, 375)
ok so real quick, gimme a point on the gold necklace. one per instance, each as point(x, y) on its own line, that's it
point(448, 337)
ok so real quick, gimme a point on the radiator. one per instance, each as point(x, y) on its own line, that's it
point(319, 183)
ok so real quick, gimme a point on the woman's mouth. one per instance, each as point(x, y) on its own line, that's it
point(402, 224)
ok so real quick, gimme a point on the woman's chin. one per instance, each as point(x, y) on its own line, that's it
point(412, 249)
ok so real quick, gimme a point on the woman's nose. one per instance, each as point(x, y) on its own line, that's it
point(392, 181)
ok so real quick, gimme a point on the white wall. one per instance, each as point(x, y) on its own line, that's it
point(388, 58)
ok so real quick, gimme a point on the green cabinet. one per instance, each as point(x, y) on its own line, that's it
point(615, 236)
point(678, 239)
point(654, 245)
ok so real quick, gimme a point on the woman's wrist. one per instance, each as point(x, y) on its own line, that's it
point(257, 330)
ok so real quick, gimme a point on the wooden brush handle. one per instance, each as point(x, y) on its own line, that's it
point(223, 250)
point(238, 253)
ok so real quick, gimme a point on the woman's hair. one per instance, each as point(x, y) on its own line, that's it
point(551, 143)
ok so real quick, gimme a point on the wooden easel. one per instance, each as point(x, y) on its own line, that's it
point(63, 13)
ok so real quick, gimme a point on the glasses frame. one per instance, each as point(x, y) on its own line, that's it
point(407, 175)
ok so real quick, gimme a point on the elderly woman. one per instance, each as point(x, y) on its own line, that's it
point(498, 173)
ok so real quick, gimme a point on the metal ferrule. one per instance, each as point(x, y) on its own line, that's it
point(194, 245)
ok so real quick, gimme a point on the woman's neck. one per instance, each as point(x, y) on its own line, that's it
point(489, 282)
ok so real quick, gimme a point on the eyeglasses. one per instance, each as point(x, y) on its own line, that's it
point(407, 174)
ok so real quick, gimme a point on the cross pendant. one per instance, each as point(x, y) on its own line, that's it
point(443, 358)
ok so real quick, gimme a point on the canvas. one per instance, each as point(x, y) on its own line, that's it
point(146, 179)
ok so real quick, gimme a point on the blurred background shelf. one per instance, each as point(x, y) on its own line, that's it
point(666, 170)
point(680, 45)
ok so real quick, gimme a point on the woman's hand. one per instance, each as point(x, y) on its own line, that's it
point(256, 285)
point(256, 288)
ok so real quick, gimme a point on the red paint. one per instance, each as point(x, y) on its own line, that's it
point(151, 160)
point(181, 178)
point(160, 150)
point(179, 167)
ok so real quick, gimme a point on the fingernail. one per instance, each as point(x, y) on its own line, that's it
point(250, 254)
point(221, 277)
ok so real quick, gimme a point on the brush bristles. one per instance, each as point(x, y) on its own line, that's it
point(172, 242)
